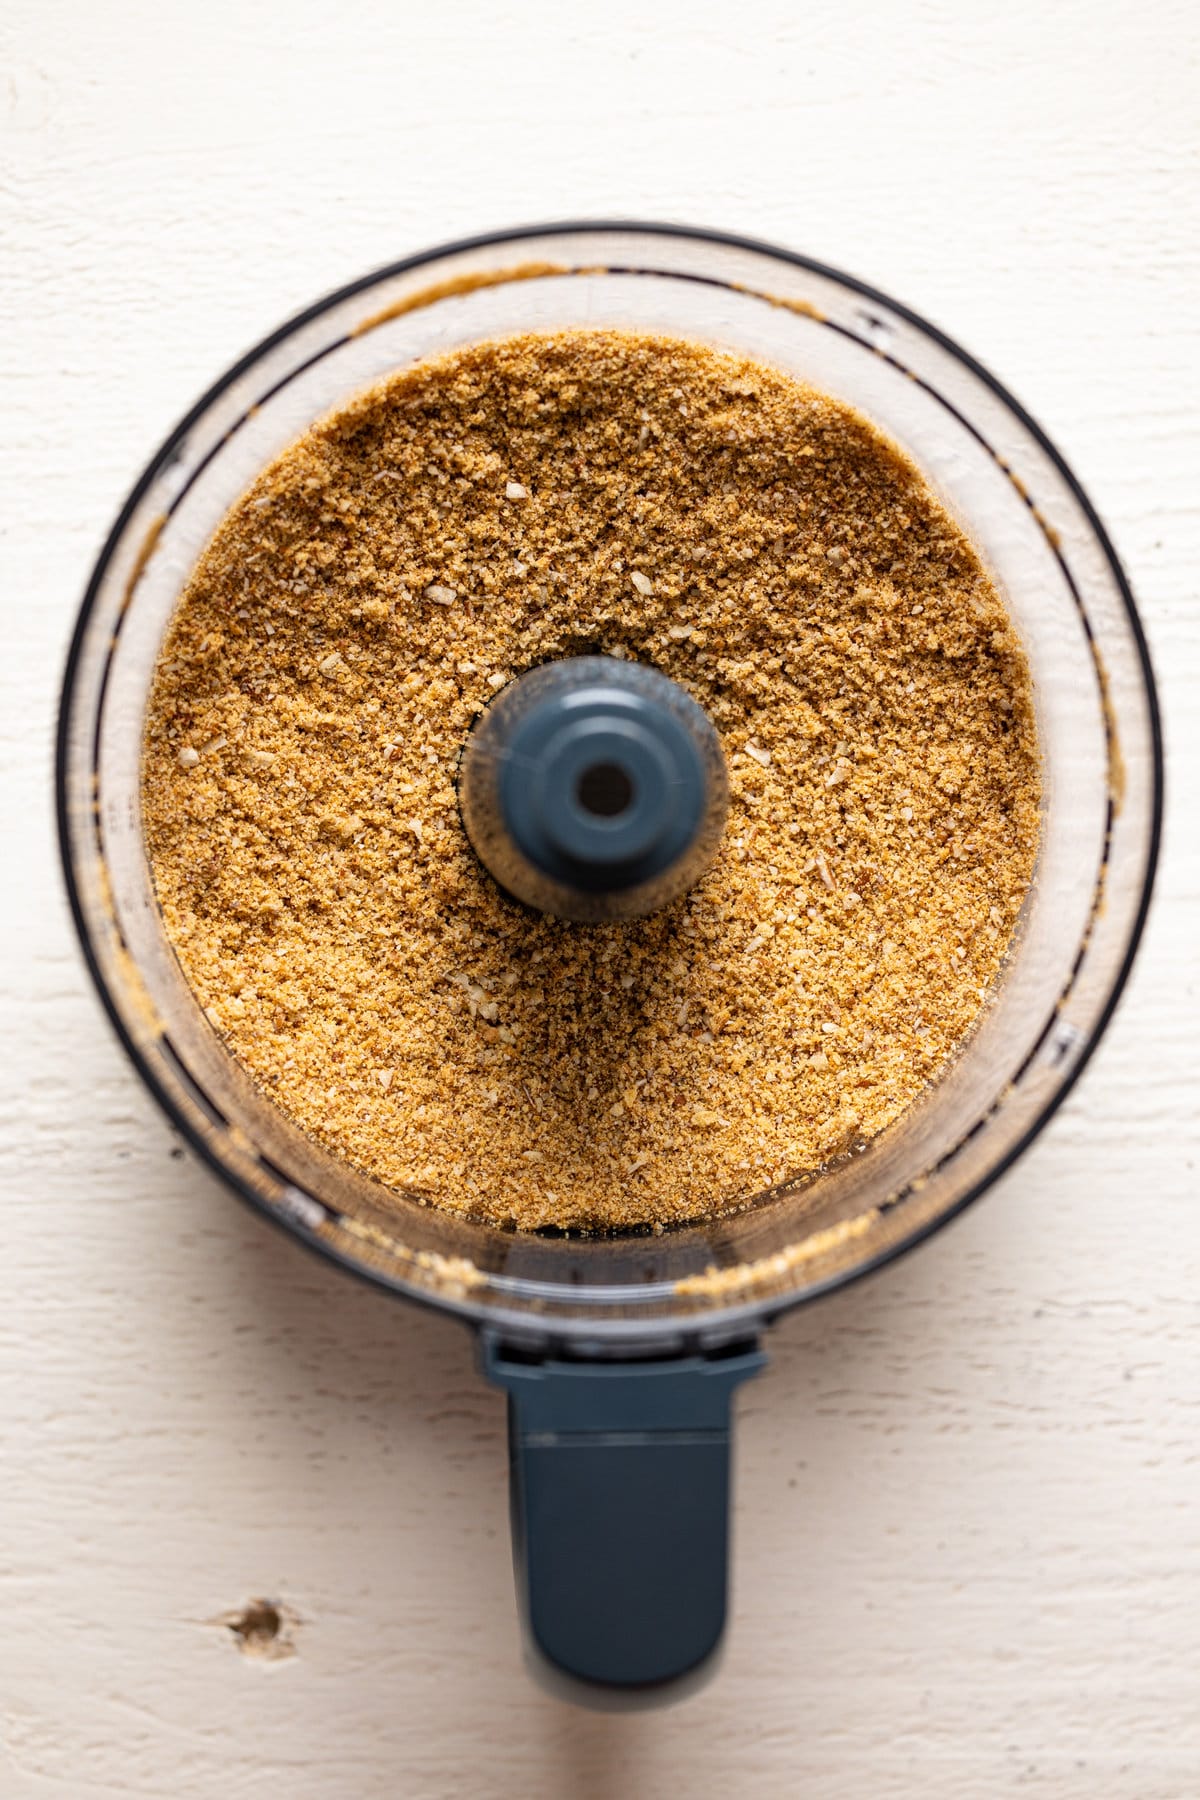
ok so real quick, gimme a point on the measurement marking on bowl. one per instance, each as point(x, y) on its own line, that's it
point(302, 1207)
point(878, 331)
point(1063, 1040)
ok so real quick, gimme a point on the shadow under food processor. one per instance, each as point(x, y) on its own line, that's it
point(620, 1354)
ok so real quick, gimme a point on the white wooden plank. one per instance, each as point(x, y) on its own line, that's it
point(968, 1553)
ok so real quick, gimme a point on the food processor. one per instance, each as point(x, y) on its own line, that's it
point(620, 1354)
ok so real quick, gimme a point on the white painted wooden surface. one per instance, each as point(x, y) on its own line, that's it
point(968, 1555)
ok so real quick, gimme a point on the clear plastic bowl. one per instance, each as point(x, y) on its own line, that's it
point(1097, 717)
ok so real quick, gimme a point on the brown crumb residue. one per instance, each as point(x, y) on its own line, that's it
point(548, 496)
point(734, 1281)
point(454, 287)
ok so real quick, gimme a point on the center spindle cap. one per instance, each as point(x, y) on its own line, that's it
point(594, 788)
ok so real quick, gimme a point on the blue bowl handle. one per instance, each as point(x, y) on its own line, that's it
point(620, 1512)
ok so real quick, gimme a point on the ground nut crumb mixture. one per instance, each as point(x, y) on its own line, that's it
point(547, 496)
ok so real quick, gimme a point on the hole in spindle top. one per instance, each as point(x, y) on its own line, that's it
point(604, 790)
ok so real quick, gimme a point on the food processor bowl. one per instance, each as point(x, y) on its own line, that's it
point(620, 1353)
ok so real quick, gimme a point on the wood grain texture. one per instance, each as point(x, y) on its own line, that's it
point(968, 1556)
